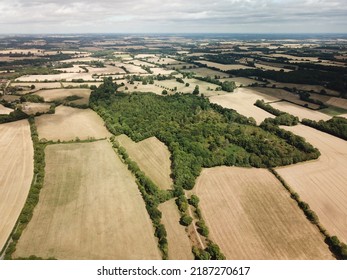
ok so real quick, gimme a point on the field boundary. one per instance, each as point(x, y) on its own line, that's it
point(335, 246)
point(151, 194)
point(33, 195)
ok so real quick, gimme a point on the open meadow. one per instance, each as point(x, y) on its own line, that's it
point(322, 183)
point(179, 244)
point(70, 123)
point(251, 216)
point(153, 158)
point(89, 208)
point(16, 165)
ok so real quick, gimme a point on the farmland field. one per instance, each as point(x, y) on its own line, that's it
point(285, 95)
point(16, 165)
point(269, 67)
point(204, 87)
point(139, 63)
point(68, 123)
point(37, 85)
point(4, 110)
point(56, 77)
point(60, 94)
point(163, 60)
point(141, 88)
point(315, 88)
point(71, 84)
point(33, 108)
point(299, 111)
point(153, 158)
point(242, 100)
point(89, 208)
point(178, 241)
point(241, 81)
point(251, 216)
point(203, 72)
point(73, 69)
point(224, 67)
point(295, 58)
point(322, 183)
point(133, 69)
point(338, 102)
point(161, 71)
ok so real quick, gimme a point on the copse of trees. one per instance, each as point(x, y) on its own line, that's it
point(197, 133)
point(292, 139)
point(336, 126)
point(32, 98)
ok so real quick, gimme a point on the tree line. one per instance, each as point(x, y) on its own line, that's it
point(336, 126)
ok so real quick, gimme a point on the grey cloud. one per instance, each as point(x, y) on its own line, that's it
point(168, 15)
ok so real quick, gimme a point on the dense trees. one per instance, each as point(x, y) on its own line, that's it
point(31, 98)
point(197, 133)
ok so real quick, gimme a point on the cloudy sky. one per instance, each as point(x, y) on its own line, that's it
point(173, 16)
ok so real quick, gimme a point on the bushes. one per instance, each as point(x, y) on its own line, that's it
point(202, 228)
point(337, 247)
point(186, 220)
point(194, 200)
point(182, 203)
point(212, 252)
point(309, 152)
